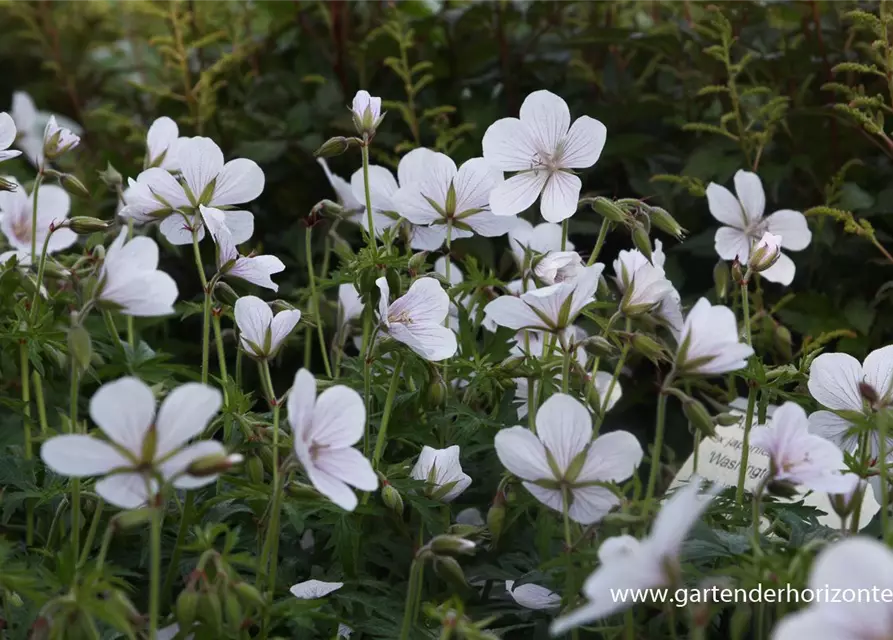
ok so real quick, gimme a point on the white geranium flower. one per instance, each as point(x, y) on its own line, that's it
point(161, 144)
point(630, 564)
point(16, 212)
point(745, 225)
point(551, 308)
point(58, 139)
point(140, 442)
point(325, 430)
point(366, 112)
point(798, 457)
point(130, 281)
point(851, 566)
point(7, 137)
point(254, 269)
point(533, 596)
point(416, 319)
point(551, 458)
point(31, 125)
point(709, 342)
point(669, 309)
point(643, 284)
point(260, 333)
point(542, 238)
point(559, 266)
point(442, 197)
point(543, 148)
point(313, 589)
point(840, 383)
point(443, 472)
point(382, 189)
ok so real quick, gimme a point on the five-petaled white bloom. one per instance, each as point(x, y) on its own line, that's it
point(130, 281)
point(366, 112)
point(7, 137)
point(140, 443)
point(452, 203)
point(443, 472)
point(161, 144)
point(543, 148)
point(550, 308)
point(745, 225)
point(325, 430)
point(31, 125)
point(533, 596)
point(542, 238)
point(260, 333)
point(313, 589)
point(851, 567)
point(643, 284)
point(559, 266)
point(254, 269)
point(709, 342)
point(839, 382)
point(58, 140)
point(647, 564)
point(797, 456)
point(16, 211)
point(561, 458)
point(416, 319)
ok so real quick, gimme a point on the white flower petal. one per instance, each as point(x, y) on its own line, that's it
point(731, 243)
point(301, 401)
point(565, 428)
point(78, 456)
point(7, 130)
point(177, 464)
point(878, 370)
point(349, 466)
point(339, 417)
point(434, 342)
point(591, 504)
point(240, 180)
point(533, 596)
point(124, 410)
point(613, 457)
point(509, 311)
point(161, 136)
point(522, 453)
point(342, 188)
point(834, 428)
point(177, 230)
point(184, 414)
point(332, 488)
point(282, 326)
point(782, 272)
point(428, 238)
point(424, 303)
point(792, 227)
point(560, 196)
point(834, 381)
point(201, 161)
point(750, 194)
point(518, 192)
point(313, 589)
point(490, 226)
point(257, 270)
point(725, 207)
point(253, 319)
point(547, 118)
point(583, 144)
point(125, 490)
point(474, 181)
point(240, 225)
point(509, 146)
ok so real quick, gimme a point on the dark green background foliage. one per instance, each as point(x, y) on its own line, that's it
point(689, 95)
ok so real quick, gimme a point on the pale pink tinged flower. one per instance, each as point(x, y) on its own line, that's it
point(542, 238)
point(443, 472)
point(550, 308)
point(840, 383)
point(533, 596)
point(161, 144)
point(57, 139)
point(139, 442)
point(382, 189)
point(543, 148)
point(254, 269)
point(7, 137)
point(562, 453)
point(343, 190)
point(559, 266)
point(858, 566)
point(366, 112)
point(313, 589)
point(260, 333)
point(416, 319)
point(709, 342)
point(649, 564)
point(798, 457)
point(130, 281)
point(745, 225)
point(16, 211)
point(325, 430)
point(643, 284)
point(447, 200)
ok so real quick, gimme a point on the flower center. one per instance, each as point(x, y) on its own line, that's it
point(402, 318)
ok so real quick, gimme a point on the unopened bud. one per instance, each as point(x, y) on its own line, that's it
point(783, 340)
point(662, 219)
point(84, 224)
point(133, 518)
point(225, 293)
point(737, 272)
point(641, 241)
point(6, 185)
point(698, 416)
point(648, 347)
point(845, 503)
point(598, 346)
point(608, 209)
point(449, 569)
point(233, 612)
point(417, 261)
point(392, 499)
point(782, 489)
point(366, 113)
point(721, 277)
point(249, 594)
point(496, 518)
point(80, 346)
point(254, 467)
point(437, 393)
point(210, 610)
point(213, 464)
point(333, 147)
point(98, 252)
point(110, 176)
point(451, 545)
point(300, 490)
point(186, 608)
point(726, 419)
point(766, 253)
point(73, 186)
point(281, 305)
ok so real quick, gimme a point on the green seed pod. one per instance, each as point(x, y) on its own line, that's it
point(225, 293)
point(210, 611)
point(640, 239)
point(726, 419)
point(333, 147)
point(233, 609)
point(417, 261)
point(254, 467)
point(721, 278)
point(783, 340)
point(662, 219)
point(450, 545)
point(110, 176)
point(648, 347)
point(249, 595)
point(80, 346)
point(698, 416)
point(496, 519)
point(85, 224)
point(609, 210)
point(73, 186)
point(186, 608)
point(450, 570)
point(392, 499)
point(437, 393)
point(133, 518)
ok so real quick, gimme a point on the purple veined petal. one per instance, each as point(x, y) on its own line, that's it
point(590, 504)
point(548, 119)
point(257, 270)
point(201, 161)
point(612, 457)
point(564, 426)
point(349, 466)
point(583, 144)
point(514, 313)
point(424, 303)
point(834, 380)
point(474, 181)
point(253, 319)
point(339, 417)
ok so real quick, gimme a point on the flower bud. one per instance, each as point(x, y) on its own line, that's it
point(57, 140)
point(766, 253)
point(598, 346)
point(233, 612)
point(300, 490)
point(80, 346)
point(98, 252)
point(450, 545)
point(640, 239)
point(844, 504)
point(662, 219)
point(437, 393)
point(333, 147)
point(782, 339)
point(133, 518)
point(225, 293)
point(721, 277)
point(698, 416)
point(72, 185)
point(496, 517)
point(608, 210)
point(110, 176)
point(254, 467)
point(392, 498)
point(450, 570)
point(6, 185)
point(726, 419)
point(737, 272)
point(84, 224)
point(648, 347)
point(213, 464)
point(249, 594)
point(210, 610)
point(417, 261)
point(186, 608)
point(366, 112)
point(281, 305)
